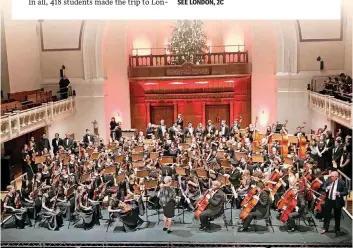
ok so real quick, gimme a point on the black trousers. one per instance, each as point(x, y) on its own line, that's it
point(329, 205)
point(291, 219)
point(250, 217)
point(204, 216)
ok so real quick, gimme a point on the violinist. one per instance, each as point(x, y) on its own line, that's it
point(68, 143)
point(200, 130)
point(346, 161)
point(112, 127)
point(62, 202)
point(167, 201)
point(49, 207)
point(27, 200)
point(116, 207)
point(300, 211)
point(216, 198)
point(12, 205)
point(330, 144)
point(84, 209)
point(244, 187)
point(336, 190)
point(260, 209)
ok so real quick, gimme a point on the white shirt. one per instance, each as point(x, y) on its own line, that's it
point(223, 130)
point(333, 190)
point(57, 142)
point(163, 129)
point(67, 141)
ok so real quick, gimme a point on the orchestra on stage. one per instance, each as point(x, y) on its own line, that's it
point(190, 167)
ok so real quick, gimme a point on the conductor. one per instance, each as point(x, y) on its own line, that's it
point(216, 198)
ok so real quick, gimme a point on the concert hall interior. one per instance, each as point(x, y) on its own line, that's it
point(176, 133)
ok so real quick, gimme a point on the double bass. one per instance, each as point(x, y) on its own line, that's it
point(302, 144)
point(284, 143)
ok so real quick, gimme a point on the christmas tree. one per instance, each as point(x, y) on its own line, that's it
point(188, 39)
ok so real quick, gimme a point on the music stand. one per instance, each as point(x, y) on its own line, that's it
point(287, 160)
point(184, 146)
point(257, 159)
point(142, 173)
point(202, 173)
point(139, 149)
point(225, 163)
point(148, 142)
point(66, 161)
point(109, 170)
point(39, 159)
point(276, 137)
point(95, 155)
point(167, 160)
point(154, 155)
point(239, 155)
point(180, 171)
point(220, 154)
point(70, 191)
point(148, 186)
point(138, 164)
point(89, 151)
point(119, 159)
point(137, 156)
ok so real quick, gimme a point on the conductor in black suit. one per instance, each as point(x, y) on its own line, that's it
point(259, 210)
point(224, 129)
point(162, 129)
point(235, 175)
point(56, 142)
point(87, 138)
point(210, 129)
point(335, 189)
point(44, 143)
point(68, 142)
point(215, 204)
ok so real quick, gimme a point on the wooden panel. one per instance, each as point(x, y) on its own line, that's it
point(217, 113)
point(138, 116)
point(162, 112)
point(191, 111)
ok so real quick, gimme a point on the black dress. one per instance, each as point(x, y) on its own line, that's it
point(166, 199)
point(130, 219)
point(321, 161)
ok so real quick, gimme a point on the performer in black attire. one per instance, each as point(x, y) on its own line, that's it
point(56, 142)
point(64, 84)
point(149, 131)
point(302, 211)
point(322, 158)
point(260, 209)
point(128, 216)
point(12, 205)
point(215, 206)
point(335, 189)
point(44, 143)
point(167, 201)
point(180, 121)
point(112, 127)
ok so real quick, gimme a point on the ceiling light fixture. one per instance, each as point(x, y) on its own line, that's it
point(229, 81)
point(150, 83)
point(202, 82)
point(177, 83)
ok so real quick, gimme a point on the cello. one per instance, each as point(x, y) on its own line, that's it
point(302, 144)
point(202, 204)
point(286, 198)
point(249, 195)
point(288, 208)
point(248, 207)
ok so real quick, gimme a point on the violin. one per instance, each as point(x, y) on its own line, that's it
point(319, 202)
point(278, 185)
point(126, 208)
point(17, 201)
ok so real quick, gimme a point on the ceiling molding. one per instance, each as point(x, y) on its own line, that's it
point(78, 48)
point(319, 40)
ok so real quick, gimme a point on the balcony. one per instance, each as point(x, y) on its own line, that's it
point(334, 109)
point(157, 63)
point(19, 123)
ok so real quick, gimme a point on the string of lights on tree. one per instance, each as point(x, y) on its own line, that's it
point(188, 39)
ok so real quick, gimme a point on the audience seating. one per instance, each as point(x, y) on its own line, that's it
point(25, 99)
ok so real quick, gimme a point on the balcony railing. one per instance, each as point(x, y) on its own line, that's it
point(334, 109)
point(161, 57)
point(18, 123)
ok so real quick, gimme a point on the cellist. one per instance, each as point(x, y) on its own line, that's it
point(301, 210)
point(260, 209)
